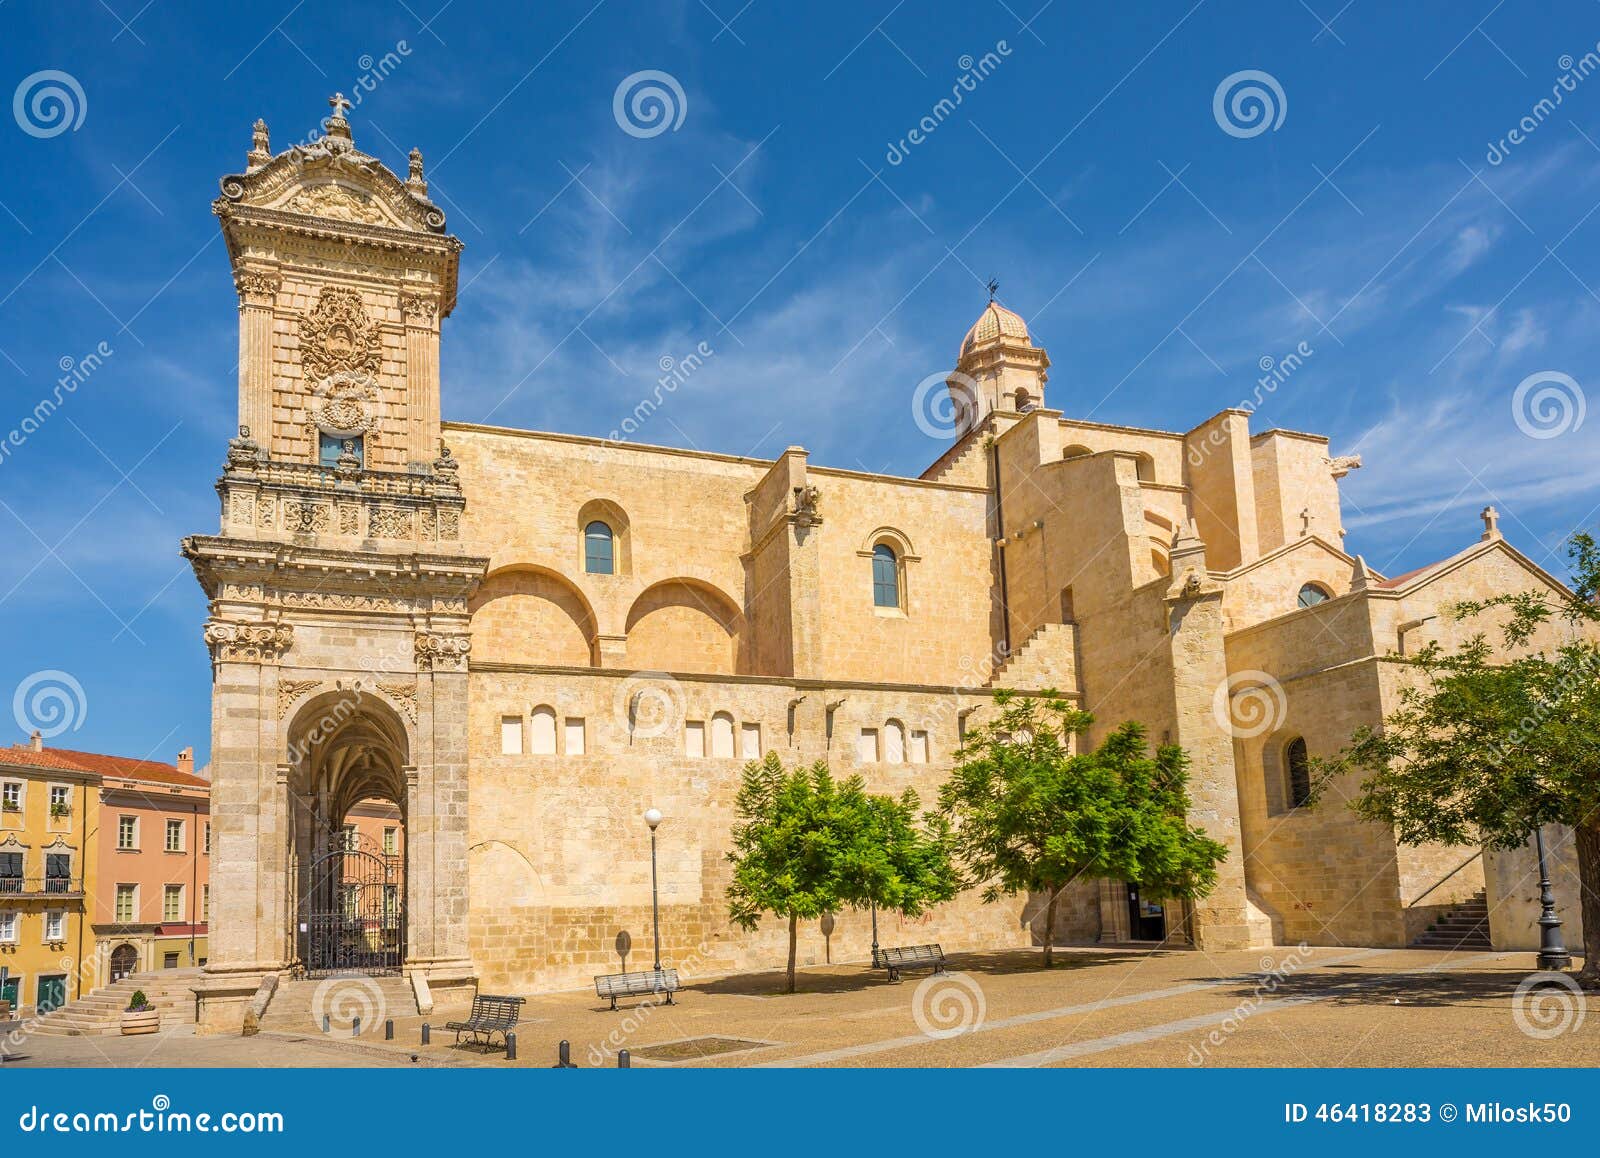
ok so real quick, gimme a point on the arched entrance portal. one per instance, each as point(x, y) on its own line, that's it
point(347, 779)
point(124, 960)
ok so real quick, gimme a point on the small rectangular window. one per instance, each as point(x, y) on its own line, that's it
point(127, 903)
point(8, 928)
point(172, 903)
point(205, 902)
point(174, 836)
point(867, 746)
point(919, 747)
point(55, 925)
point(510, 735)
point(208, 838)
point(11, 796)
point(750, 741)
point(127, 833)
point(331, 446)
point(575, 736)
point(391, 841)
point(169, 960)
point(60, 802)
point(694, 738)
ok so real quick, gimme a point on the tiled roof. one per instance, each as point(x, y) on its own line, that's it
point(995, 322)
point(128, 768)
point(22, 756)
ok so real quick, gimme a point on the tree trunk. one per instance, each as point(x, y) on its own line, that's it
point(1587, 839)
point(1050, 928)
point(794, 923)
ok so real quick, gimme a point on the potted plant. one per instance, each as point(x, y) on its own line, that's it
point(60, 809)
point(9, 805)
point(140, 1016)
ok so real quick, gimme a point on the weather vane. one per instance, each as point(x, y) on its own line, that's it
point(994, 288)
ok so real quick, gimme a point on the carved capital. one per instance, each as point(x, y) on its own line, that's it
point(244, 452)
point(247, 642)
point(257, 287)
point(442, 651)
point(420, 309)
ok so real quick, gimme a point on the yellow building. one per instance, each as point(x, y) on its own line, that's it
point(48, 814)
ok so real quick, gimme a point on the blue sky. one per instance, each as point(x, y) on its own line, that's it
point(1159, 257)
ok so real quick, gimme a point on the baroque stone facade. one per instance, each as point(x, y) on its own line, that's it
point(524, 640)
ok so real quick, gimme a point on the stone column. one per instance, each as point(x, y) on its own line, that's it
point(258, 290)
point(422, 378)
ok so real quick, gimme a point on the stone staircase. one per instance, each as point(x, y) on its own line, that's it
point(299, 1006)
point(99, 1014)
point(1047, 659)
point(1465, 926)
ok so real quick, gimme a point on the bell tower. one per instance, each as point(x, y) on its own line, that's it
point(999, 368)
point(344, 272)
point(338, 581)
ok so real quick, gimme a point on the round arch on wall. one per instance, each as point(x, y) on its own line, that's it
point(685, 624)
point(521, 606)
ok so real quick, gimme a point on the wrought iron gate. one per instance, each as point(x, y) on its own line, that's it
point(355, 913)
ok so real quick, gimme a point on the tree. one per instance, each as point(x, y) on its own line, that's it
point(789, 843)
point(1031, 816)
point(1489, 744)
point(895, 860)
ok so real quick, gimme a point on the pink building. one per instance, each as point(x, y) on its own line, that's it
point(150, 898)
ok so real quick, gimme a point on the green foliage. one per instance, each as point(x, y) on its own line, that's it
point(1031, 816)
point(1489, 743)
point(805, 844)
point(138, 1003)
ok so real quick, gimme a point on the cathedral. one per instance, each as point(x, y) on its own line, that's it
point(522, 641)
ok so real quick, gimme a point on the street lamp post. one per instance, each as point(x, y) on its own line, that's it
point(653, 818)
point(874, 906)
point(1552, 953)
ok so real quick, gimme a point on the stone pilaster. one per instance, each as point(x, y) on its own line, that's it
point(422, 377)
point(258, 290)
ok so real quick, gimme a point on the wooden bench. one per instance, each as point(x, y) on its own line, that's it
point(649, 981)
point(490, 1015)
point(911, 957)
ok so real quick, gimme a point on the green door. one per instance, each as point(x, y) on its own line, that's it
point(8, 991)
point(52, 993)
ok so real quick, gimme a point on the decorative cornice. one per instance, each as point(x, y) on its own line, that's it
point(442, 651)
point(231, 640)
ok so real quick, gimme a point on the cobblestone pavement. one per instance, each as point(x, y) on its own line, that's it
point(1099, 1007)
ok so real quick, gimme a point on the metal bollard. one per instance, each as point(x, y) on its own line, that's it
point(355, 1026)
point(511, 1047)
point(388, 1030)
point(327, 1024)
point(424, 1033)
point(624, 1060)
point(564, 1056)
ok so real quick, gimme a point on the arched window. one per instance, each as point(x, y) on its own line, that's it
point(1312, 594)
point(1145, 467)
point(597, 549)
point(1025, 402)
point(722, 736)
point(543, 731)
point(1076, 451)
point(894, 742)
point(1298, 764)
point(885, 577)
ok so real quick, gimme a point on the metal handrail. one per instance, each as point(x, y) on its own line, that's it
point(1444, 878)
point(40, 886)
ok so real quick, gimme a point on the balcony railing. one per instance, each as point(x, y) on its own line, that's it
point(41, 886)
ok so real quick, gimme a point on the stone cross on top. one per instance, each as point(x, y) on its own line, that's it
point(1491, 523)
point(339, 103)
